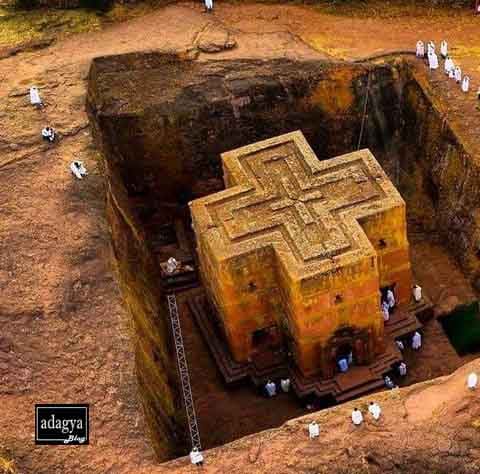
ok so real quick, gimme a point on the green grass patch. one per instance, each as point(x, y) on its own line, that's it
point(19, 26)
point(462, 327)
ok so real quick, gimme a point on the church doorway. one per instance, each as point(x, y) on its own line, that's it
point(344, 356)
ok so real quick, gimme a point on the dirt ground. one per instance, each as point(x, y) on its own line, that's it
point(437, 273)
point(64, 334)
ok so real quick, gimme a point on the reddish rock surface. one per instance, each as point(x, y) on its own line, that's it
point(432, 427)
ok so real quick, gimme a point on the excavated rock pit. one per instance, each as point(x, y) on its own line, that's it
point(162, 121)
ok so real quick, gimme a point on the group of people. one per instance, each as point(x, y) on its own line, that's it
point(452, 71)
point(387, 304)
point(416, 342)
point(271, 388)
point(48, 133)
point(375, 411)
point(388, 301)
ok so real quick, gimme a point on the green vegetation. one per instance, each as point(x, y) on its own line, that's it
point(462, 327)
point(100, 5)
point(25, 23)
point(7, 464)
point(17, 27)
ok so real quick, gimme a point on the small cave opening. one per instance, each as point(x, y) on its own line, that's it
point(163, 149)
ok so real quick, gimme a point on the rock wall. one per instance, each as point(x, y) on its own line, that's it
point(441, 174)
point(138, 278)
point(168, 121)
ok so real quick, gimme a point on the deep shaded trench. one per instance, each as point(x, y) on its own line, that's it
point(162, 123)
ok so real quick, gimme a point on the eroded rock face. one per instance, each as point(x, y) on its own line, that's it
point(155, 363)
point(441, 176)
point(165, 122)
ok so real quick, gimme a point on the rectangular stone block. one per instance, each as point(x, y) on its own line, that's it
point(297, 250)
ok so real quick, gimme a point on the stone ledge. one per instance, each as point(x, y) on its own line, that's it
point(425, 428)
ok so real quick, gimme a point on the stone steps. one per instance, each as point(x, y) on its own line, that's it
point(401, 323)
point(358, 381)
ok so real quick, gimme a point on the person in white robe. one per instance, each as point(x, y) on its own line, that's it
point(196, 457)
point(449, 65)
point(402, 369)
point(271, 389)
point(375, 410)
point(285, 385)
point(416, 341)
point(472, 381)
point(313, 430)
point(35, 97)
point(389, 382)
point(208, 6)
point(48, 133)
point(417, 293)
point(400, 345)
point(172, 265)
point(78, 169)
point(390, 299)
point(430, 47)
point(357, 417)
point(465, 83)
point(385, 311)
point(433, 61)
point(444, 49)
point(458, 74)
point(420, 51)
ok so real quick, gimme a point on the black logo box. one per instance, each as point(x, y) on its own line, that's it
point(61, 424)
